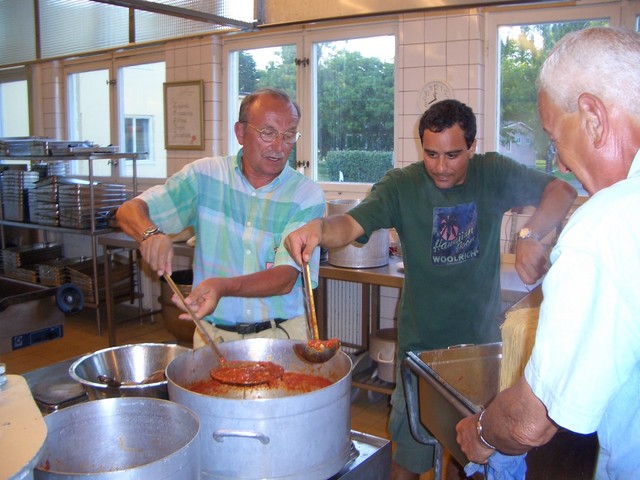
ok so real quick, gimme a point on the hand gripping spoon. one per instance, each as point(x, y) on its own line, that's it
point(231, 372)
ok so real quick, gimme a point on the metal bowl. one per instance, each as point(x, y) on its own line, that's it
point(128, 364)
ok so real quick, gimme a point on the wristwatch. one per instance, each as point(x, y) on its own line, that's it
point(528, 233)
point(150, 231)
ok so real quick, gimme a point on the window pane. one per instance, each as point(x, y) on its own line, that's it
point(523, 48)
point(88, 107)
point(263, 67)
point(354, 109)
point(143, 118)
point(14, 109)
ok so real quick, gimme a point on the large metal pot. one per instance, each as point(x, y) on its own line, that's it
point(121, 439)
point(268, 434)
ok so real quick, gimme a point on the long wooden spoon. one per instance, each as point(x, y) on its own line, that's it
point(315, 350)
point(237, 372)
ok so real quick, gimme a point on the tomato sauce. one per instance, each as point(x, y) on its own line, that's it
point(292, 382)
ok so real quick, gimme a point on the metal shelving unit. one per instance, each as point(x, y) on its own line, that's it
point(93, 232)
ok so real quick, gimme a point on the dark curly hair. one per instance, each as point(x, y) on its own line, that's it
point(445, 114)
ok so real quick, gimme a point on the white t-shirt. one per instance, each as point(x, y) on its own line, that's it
point(585, 366)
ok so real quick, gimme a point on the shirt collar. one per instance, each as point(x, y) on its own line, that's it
point(286, 172)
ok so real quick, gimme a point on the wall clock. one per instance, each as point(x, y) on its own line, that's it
point(433, 92)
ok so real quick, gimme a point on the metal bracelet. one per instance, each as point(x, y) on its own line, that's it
point(479, 429)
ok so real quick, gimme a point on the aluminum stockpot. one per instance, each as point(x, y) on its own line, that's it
point(265, 434)
point(131, 363)
point(121, 439)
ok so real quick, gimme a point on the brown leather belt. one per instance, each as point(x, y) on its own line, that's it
point(247, 328)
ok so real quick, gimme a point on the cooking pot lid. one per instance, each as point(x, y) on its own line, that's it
point(52, 387)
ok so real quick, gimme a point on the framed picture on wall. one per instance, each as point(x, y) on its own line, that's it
point(183, 116)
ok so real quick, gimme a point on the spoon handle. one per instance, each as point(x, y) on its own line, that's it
point(196, 320)
point(310, 301)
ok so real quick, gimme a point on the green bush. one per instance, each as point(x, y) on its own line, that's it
point(358, 166)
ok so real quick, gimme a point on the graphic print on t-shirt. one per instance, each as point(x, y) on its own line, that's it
point(455, 234)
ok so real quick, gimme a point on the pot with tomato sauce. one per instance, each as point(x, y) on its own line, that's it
point(297, 427)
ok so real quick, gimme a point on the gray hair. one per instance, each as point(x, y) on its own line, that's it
point(249, 100)
point(600, 60)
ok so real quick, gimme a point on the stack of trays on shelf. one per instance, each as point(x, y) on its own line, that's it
point(50, 169)
point(15, 185)
point(122, 278)
point(43, 202)
point(24, 146)
point(56, 272)
point(21, 262)
point(75, 204)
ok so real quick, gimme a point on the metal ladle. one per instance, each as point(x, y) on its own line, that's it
point(231, 372)
point(315, 350)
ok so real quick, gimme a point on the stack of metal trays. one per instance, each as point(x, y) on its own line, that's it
point(15, 185)
point(66, 147)
point(75, 204)
point(50, 169)
point(56, 272)
point(82, 275)
point(20, 262)
point(24, 146)
point(43, 202)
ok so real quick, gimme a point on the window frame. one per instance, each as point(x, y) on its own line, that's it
point(304, 39)
point(497, 19)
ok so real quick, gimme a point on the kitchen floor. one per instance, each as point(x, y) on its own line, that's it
point(369, 412)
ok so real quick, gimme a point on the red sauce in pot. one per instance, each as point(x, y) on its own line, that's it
point(292, 382)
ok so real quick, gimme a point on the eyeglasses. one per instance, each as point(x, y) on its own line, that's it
point(270, 135)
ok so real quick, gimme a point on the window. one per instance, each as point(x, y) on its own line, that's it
point(520, 50)
point(106, 108)
point(14, 108)
point(345, 89)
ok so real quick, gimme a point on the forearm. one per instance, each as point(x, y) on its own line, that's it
point(265, 283)
point(556, 201)
point(517, 421)
point(339, 230)
point(133, 218)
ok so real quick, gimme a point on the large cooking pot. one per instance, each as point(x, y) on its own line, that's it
point(259, 433)
point(121, 439)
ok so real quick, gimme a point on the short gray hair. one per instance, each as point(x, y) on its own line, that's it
point(600, 60)
point(245, 106)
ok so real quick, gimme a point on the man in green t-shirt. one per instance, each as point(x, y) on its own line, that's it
point(447, 211)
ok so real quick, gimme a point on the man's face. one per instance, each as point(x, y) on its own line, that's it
point(563, 129)
point(263, 161)
point(446, 156)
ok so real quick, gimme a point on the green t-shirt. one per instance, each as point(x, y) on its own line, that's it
point(451, 246)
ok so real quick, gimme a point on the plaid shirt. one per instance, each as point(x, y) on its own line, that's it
point(239, 229)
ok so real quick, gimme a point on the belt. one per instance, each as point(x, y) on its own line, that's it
point(246, 328)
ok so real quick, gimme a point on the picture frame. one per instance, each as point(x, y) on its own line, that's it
point(183, 115)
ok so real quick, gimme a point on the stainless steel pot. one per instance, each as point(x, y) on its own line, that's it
point(121, 439)
point(268, 434)
point(132, 363)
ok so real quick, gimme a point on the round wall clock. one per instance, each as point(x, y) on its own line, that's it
point(433, 92)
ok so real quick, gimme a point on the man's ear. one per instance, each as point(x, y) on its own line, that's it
point(593, 114)
point(239, 129)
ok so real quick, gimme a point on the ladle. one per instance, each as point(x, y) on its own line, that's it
point(315, 350)
point(231, 372)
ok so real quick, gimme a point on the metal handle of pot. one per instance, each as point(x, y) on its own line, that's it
point(219, 435)
point(411, 395)
point(382, 360)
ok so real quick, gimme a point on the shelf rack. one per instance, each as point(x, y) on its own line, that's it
point(92, 232)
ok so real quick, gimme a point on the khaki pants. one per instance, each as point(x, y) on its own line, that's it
point(295, 329)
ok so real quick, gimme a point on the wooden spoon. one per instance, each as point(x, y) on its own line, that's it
point(315, 350)
point(231, 372)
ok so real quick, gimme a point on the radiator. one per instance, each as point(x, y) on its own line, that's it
point(344, 312)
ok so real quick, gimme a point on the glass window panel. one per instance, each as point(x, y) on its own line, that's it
point(88, 108)
point(14, 109)
point(73, 26)
point(522, 49)
point(258, 68)
point(17, 22)
point(143, 118)
point(354, 108)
